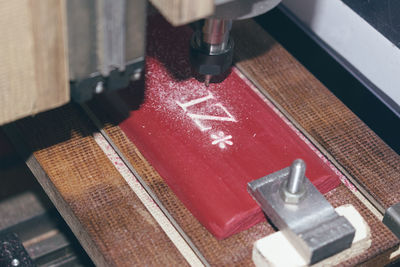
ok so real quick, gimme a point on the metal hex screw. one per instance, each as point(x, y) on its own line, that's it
point(99, 87)
point(292, 190)
point(136, 75)
point(15, 262)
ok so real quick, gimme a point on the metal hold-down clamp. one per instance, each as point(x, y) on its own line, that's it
point(302, 213)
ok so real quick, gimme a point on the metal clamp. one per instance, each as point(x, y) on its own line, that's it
point(302, 213)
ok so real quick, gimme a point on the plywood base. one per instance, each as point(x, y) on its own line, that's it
point(107, 217)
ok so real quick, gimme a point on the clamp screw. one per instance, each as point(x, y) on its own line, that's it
point(15, 262)
point(99, 87)
point(296, 176)
point(293, 189)
point(136, 75)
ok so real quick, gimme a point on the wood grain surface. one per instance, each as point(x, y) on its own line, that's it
point(104, 213)
point(179, 12)
point(371, 164)
point(33, 69)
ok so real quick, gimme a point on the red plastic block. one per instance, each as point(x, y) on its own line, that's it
point(207, 143)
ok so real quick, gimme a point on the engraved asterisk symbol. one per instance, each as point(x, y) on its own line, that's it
point(221, 139)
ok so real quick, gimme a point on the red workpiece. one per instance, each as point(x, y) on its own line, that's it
point(208, 143)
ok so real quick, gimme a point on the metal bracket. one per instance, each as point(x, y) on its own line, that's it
point(84, 90)
point(106, 45)
point(392, 219)
point(111, 35)
point(302, 213)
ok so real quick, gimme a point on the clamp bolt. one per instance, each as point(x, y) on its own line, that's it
point(293, 190)
point(99, 87)
point(15, 262)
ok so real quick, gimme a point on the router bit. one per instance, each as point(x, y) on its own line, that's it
point(211, 48)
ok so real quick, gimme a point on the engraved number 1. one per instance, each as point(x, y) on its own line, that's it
point(199, 118)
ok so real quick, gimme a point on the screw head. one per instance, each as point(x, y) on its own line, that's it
point(136, 75)
point(99, 87)
point(15, 262)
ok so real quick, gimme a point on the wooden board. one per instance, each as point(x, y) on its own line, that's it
point(370, 163)
point(179, 12)
point(107, 217)
point(34, 68)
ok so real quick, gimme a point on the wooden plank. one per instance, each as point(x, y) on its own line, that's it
point(107, 217)
point(179, 12)
point(371, 164)
point(33, 69)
